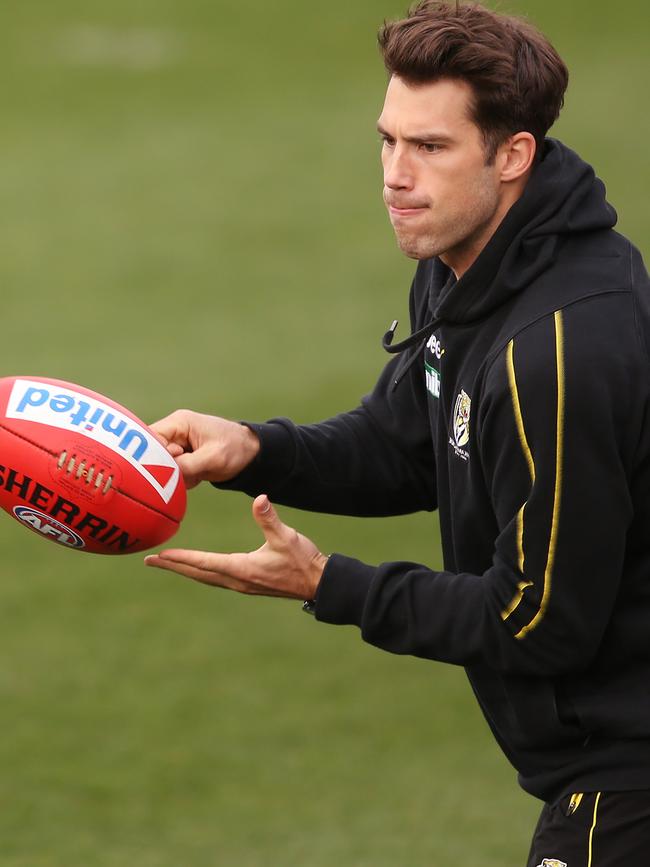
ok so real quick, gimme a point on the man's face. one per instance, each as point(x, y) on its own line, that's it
point(442, 198)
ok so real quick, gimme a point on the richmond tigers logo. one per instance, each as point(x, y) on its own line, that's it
point(460, 425)
point(461, 419)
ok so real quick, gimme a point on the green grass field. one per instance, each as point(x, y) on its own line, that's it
point(191, 216)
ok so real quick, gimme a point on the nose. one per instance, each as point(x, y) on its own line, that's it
point(398, 173)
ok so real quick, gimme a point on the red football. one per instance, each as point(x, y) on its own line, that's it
point(83, 471)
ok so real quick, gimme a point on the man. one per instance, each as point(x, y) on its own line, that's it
point(519, 407)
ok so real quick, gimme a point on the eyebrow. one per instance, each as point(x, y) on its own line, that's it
point(422, 138)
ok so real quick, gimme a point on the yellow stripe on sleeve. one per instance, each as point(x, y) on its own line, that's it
point(557, 497)
point(519, 421)
point(516, 599)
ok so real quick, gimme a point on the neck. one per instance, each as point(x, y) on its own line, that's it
point(461, 258)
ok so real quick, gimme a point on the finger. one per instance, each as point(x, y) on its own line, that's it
point(172, 428)
point(197, 565)
point(205, 560)
point(161, 439)
point(174, 449)
point(191, 564)
point(192, 466)
point(268, 520)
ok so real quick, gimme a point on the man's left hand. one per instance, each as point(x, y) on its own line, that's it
point(288, 564)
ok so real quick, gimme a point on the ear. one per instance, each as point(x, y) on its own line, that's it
point(517, 155)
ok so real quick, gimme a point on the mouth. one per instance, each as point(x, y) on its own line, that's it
point(396, 212)
point(398, 207)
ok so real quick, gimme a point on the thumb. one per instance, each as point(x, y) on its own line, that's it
point(267, 518)
point(192, 466)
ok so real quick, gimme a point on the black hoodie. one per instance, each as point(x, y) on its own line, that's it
point(520, 409)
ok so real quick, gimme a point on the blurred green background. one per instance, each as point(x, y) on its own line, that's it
point(191, 216)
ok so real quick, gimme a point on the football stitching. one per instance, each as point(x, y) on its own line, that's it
point(80, 468)
point(116, 489)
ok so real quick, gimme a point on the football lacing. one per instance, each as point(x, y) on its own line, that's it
point(99, 479)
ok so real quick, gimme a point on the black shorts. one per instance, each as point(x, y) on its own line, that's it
point(595, 829)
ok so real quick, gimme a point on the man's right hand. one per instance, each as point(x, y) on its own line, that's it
point(207, 448)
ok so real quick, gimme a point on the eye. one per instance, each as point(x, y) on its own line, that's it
point(387, 140)
point(430, 147)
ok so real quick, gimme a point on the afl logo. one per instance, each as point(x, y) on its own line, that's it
point(48, 527)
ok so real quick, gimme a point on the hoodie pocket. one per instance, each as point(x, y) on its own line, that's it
point(543, 716)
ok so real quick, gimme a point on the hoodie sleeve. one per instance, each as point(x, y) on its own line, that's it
point(557, 416)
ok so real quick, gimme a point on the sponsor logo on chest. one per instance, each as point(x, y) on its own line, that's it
point(432, 366)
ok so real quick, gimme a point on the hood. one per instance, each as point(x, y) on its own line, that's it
point(563, 197)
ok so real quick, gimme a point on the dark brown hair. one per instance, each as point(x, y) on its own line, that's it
point(517, 77)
